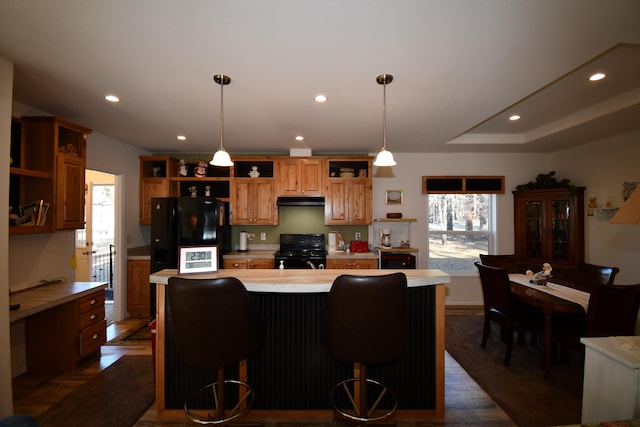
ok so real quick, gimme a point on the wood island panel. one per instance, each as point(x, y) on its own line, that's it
point(292, 371)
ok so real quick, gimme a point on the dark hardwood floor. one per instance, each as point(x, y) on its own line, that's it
point(466, 404)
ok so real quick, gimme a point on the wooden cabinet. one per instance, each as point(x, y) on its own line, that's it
point(348, 198)
point(249, 263)
point(70, 193)
point(549, 227)
point(154, 182)
point(138, 287)
point(301, 176)
point(59, 337)
point(253, 200)
point(352, 263)
point(348, 202)
point(48, 163)
point(92, 324)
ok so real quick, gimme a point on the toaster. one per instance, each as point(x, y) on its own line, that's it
point(359, 246)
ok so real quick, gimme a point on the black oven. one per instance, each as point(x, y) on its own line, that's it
point(396, 261)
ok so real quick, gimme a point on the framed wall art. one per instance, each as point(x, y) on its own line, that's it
point(395, 197)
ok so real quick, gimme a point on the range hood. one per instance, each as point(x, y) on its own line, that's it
point(301, 201)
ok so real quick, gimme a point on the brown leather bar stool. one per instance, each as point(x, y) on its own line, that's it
point(365, 321)
point(215, 324)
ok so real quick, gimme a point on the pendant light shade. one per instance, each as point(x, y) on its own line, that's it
point(221, 157)
point(384, 157)
point(629, 213)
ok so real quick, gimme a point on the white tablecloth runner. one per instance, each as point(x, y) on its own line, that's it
point(560, 291)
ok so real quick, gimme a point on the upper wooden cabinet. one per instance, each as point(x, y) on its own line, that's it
point(48, 158)
point(300, 176)
point(348, 198)
point(165, 176)
point(253, 195)
point(155, 172)
point(549, 227)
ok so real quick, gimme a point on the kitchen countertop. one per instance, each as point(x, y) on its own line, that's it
point(140, 252)
point(354, 255)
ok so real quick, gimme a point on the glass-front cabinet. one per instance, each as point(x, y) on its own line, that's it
point(549, 227)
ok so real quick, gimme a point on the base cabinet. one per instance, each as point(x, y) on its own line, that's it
point(247, 263)
point(352, 263)
point(58, 338)
point(138, 288)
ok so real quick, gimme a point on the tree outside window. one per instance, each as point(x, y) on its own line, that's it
point(459, 230)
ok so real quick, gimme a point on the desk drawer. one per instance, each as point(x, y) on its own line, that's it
point(90, 301)
point(91, 317)
point(93, 337)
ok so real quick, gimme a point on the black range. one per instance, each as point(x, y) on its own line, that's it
point(300, 251)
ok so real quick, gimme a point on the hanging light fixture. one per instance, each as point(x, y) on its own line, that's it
point(384, 157)
point(221, 157)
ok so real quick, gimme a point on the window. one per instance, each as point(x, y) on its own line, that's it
point(459, 230)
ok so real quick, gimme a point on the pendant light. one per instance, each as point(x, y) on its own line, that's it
point(384, 157)
point(221, 157)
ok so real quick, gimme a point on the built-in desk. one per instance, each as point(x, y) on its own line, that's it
point(64, 322)
point(292, 373)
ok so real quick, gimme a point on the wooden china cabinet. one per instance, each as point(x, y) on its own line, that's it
point(549, 227)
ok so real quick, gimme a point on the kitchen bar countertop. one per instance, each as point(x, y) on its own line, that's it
point(302, 281)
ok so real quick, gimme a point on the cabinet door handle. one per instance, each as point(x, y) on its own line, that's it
point(235, 264)
point(95, 336)
point(93, 316)
point(93, 301)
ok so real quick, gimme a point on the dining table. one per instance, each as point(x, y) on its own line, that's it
point(550, 298)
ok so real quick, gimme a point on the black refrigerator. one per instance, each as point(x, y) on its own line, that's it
point(186, 221)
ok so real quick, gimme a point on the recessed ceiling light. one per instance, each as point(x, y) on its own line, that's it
point(514, 117)
point(597, 76)
point(299, 138)
point(181, 138)
point(112, 98)
point(320, 98)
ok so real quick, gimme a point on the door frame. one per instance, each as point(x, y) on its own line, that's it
point(120, 252)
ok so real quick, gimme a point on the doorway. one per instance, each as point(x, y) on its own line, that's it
point(95, 244)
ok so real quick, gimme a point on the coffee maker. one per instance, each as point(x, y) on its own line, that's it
point(385, 239)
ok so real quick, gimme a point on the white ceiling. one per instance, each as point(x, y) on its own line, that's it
point(460, 68)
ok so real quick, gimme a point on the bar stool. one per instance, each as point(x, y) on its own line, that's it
point(365, 321)
point(215, 324)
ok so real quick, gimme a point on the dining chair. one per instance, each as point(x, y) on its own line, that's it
point(612, 310)
point(501, 307)
point(588, 276)
point(508, 262)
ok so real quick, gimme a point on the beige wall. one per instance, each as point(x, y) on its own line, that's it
point(6, 95)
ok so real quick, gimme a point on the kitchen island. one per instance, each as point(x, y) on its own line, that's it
point(292, 373)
